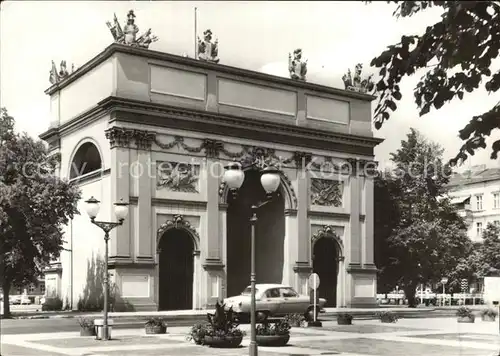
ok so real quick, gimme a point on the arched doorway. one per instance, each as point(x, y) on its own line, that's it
point(327, 253)
point(270, 236)
point(86, 159)
point(176, 270)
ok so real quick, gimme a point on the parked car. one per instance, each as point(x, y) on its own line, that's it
point(14, 299)
point(273, 300)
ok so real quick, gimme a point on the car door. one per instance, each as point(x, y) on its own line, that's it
point(292, 303)
point(270, 301)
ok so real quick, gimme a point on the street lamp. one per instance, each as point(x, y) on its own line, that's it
point(270, 179)
point(444, 280)
point(121, 212)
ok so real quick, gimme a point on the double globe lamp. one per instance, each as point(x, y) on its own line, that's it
point(270, 179)
point(121, 212)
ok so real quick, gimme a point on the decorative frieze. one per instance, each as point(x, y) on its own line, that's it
point(177, 177)
point(212, 148)
point(326, 192)
point(302, 159)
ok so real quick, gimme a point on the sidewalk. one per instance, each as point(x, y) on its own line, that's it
point(409, 337)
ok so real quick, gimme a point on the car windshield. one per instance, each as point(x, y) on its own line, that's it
point(248, 291)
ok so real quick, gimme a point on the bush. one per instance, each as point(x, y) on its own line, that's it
point(152, 322)
point(464, 312)
point(492, 313)
point(387, 317)
point(344, 316)
point(86, 323)
point(52, 304)
point(296, 320)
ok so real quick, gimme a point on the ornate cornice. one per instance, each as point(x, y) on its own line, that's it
point(138, 112)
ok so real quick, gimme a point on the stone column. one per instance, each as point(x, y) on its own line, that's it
point(291, 245)
point(142, 175)
point(354, 223)
point(303, 266)
point(212, 263)
point(119, 139)
point(369, 218)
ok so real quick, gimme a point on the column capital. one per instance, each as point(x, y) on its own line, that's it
point(119, 136)
point(144, 139)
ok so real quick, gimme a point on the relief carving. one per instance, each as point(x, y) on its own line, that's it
point(178, 222)
point(326, 192)
point(177, 177)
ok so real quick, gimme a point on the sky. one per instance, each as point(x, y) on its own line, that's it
point(254, 35)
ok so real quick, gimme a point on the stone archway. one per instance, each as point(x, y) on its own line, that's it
point(327, 256)
point(177, 248)
point(86, 159)
point(270, 235)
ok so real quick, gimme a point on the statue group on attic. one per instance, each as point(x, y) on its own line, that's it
point(208, 50)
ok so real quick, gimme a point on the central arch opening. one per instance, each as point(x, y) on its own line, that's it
point(269, 236)
point(325, 264)
point(176, 269)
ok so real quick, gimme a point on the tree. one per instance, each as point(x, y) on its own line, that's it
point(422, 238)
point(457, 53)
point(34, 205)
point(487, 258)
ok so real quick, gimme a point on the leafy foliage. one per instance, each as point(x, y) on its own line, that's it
point(34, 205)
point(222, 322)
point(419, 235)
point(457, 53)
point(86, 323)
point(158, 322)
point(386, 316)
point(464, 312)
point(280, 327)
point(486, 258)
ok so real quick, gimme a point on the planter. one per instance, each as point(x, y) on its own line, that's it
point(488, 318)
point(272, 340)
point(465, 319)
point(343, 321)
point(87, 331)
point(156, 329)
point(225, 342)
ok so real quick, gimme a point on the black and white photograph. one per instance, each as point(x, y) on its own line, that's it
point(233, 178)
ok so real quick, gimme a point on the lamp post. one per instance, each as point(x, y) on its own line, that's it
point(270, 180)
point(444, 280)
point(121, 212)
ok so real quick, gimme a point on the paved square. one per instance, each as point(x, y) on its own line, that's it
point(407, 337)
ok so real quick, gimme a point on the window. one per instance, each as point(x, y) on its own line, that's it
point(273, 293)
point(479, 229)
point(19, 290)
point(32, 288)
point(42, 288)
point(288, 293)
point(479, 202)
point(496, 200)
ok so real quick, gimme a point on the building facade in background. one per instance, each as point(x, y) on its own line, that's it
point(476, 193)
point(155, 129)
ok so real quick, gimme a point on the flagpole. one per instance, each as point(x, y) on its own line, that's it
point(195, 35)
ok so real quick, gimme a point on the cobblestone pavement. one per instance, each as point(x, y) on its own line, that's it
point(407, 337)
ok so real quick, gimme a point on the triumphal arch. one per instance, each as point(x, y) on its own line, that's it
point(156, 130)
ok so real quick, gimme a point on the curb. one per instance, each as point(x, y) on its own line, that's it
point(358, 314)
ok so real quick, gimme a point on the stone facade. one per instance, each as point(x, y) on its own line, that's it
point(163, 126)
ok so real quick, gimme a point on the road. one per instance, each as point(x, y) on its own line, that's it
point(28, 326)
